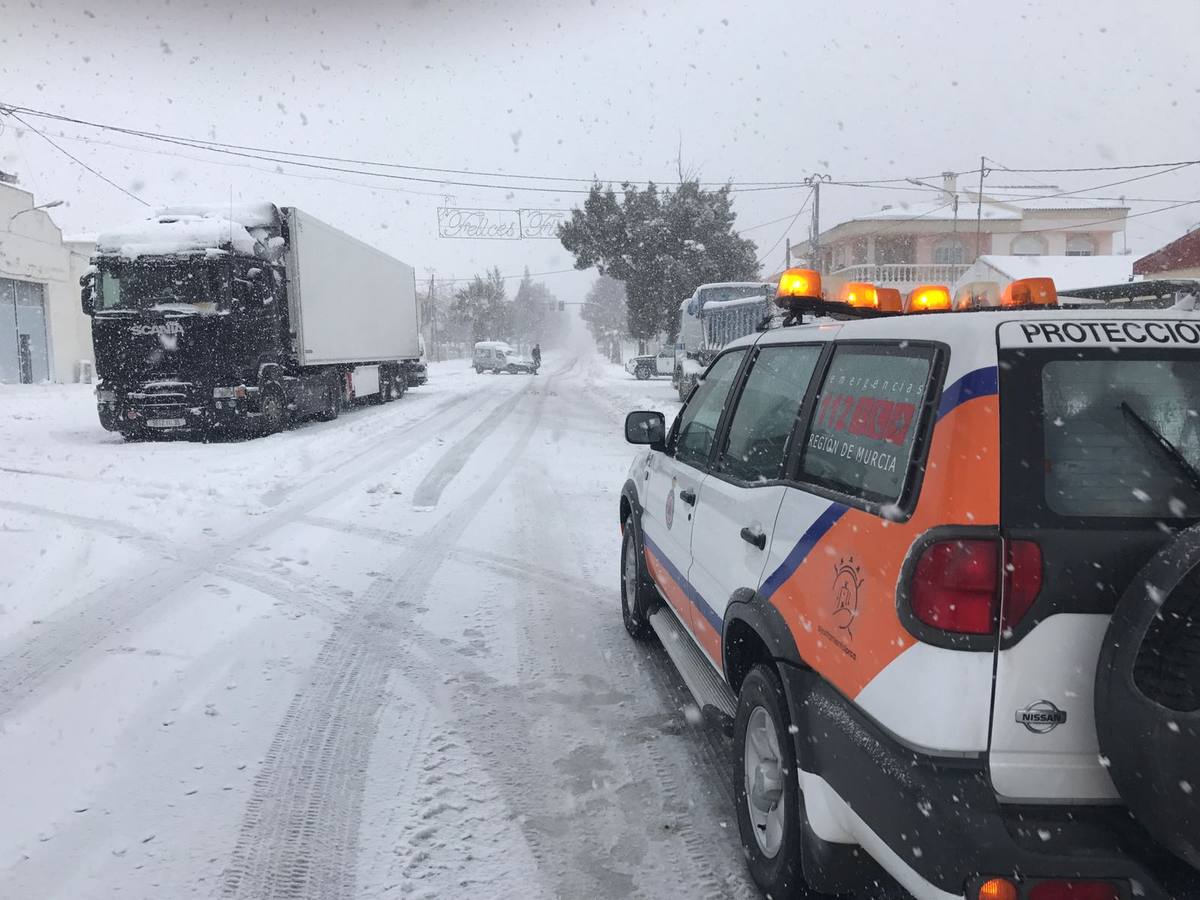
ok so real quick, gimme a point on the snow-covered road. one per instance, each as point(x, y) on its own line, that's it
point(375, 657)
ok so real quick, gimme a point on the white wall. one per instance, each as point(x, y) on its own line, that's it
point(32, 249)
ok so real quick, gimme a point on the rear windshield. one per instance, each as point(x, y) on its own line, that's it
point(1116, 433)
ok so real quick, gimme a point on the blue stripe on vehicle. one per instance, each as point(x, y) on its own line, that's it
point(689, 591)
point(979, 383)
point(808, 540)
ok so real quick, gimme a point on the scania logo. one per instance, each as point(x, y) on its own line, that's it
point(163, 330)
point(1041, 717)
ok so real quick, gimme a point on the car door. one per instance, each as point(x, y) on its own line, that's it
point(665, 362)
point(673, 482)
point(740, 498)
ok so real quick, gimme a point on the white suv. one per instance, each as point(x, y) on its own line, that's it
point(942, 572)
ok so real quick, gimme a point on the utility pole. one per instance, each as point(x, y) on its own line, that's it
point(788, 254)
point(433, 319)
point(815, 243)
point(979, 206)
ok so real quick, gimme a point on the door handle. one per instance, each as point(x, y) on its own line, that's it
point(755, 537)
point(688, 497)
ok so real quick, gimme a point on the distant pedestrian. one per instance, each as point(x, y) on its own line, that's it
point(537, 357)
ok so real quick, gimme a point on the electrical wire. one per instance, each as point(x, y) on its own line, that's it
point(79, 161)
point(807, 199)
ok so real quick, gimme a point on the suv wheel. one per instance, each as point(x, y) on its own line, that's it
point(636, 594)
point(642, 373)
point(766, 788)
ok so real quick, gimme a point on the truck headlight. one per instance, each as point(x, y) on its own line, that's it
point(106, 396)
point(229, 393)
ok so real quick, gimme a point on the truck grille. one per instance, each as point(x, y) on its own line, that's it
point(1167, 669)
point(161, 398)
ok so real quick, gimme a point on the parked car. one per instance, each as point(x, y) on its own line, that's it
point(985, 693)
point(497, 357)
point(644, 367)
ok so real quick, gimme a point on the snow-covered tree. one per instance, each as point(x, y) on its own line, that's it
point(662, 244)
point(604, 311)
point(484, 305)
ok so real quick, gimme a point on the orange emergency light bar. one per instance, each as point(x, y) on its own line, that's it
point(799, 283)
point(859, 293)
point(889, 300)
point(928, 298)
point(1030, 292)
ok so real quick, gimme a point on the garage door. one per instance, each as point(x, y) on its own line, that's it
point(24, 348)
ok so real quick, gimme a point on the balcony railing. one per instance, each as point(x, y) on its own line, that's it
point(903, 273)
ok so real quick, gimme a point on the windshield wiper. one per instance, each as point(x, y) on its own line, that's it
point(1169, 450)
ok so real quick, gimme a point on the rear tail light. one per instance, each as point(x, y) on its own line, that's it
point(997, 889)
point(957, 584)
point(1075, 890)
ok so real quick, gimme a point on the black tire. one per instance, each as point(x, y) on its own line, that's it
point(399, 383)
point(333, 401)
point(638, 598)
point(641, 373)
point(478, 370)
point(1147, 697)
point(779, 874)
point(272, 406)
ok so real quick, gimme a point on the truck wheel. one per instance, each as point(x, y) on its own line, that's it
point(637, 595)
point(272, 411)
point(333, 401)
point(478, 370)
point(641, 373)
point(766, 788)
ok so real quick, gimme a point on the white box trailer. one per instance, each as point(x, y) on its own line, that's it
point(349, 302)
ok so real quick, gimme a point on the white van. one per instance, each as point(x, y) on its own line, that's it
point(497, 357)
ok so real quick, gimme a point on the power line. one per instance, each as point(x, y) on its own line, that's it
point(251, 152)
point(1157, 165)
point(788, 228)
point(78, 161)
point(510, 277)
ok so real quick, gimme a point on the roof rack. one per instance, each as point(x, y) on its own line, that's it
point(1159, 294)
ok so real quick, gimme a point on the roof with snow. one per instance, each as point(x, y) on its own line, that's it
point(1181, 253)
point(167, 234)
point(248, 215)
point(1068, 272)
point(941, 208)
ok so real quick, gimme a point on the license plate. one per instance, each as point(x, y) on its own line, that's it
point(166, 423)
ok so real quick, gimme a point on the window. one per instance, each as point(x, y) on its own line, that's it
point(699, 419)
point(1105, 421)
point(948, 252)
point(766, 413)
point(1028, 245)
point(865, 423)
point(1081, 245)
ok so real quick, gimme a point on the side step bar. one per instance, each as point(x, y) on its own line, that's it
point(701, 678)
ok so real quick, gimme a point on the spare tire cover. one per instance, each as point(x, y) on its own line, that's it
point(1148, 696)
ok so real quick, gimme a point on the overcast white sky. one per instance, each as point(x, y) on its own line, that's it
point(750, 91)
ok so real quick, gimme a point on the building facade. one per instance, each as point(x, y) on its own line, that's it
point(935, 240)
point(44, 335)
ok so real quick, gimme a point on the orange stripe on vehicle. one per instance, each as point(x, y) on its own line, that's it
point(961, 487)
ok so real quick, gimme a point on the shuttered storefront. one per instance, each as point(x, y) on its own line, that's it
point(24, 348)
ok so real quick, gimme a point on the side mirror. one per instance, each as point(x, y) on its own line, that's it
point(645, 427)
point(87, 294)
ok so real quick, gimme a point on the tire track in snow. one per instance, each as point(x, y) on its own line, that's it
point(31, 659)
point(299, 834)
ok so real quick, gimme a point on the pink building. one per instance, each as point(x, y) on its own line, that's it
point(933, 241)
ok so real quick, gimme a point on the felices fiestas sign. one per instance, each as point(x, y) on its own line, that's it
point(499, 224)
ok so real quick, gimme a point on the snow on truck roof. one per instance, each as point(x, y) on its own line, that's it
point(194, 228)
point(176, 234)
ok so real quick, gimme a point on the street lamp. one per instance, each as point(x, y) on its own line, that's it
point(50, 205)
